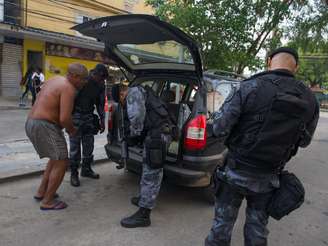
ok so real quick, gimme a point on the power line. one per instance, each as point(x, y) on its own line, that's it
point(114, 9)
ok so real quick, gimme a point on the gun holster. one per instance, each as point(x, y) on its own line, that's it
point(155, 152)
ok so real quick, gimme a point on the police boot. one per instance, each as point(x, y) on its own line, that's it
point(86, 170)
point(141, 218)
point(75, 178)
point(135, 200)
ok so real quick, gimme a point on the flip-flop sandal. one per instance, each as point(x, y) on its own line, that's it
point(40, 198)
point(57, 206)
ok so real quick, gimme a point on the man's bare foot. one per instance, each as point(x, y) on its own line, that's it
point(56, 205)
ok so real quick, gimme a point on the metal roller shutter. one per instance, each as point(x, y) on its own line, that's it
point(11, 69)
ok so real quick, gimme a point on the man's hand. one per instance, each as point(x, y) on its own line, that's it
point(102, 126)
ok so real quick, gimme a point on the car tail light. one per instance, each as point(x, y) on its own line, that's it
point(196, 133)
point(110, 116)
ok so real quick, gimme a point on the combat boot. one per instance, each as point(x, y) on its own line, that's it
point(75, 178)
point(141, 218)
point(86, 170)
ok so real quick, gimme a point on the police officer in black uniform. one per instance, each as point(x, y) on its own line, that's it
point(263, 124)
point(148, 120)
point(88, 123)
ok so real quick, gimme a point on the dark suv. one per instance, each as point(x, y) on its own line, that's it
point(166, 59)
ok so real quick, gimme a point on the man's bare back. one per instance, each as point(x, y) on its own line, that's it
point(48, 103)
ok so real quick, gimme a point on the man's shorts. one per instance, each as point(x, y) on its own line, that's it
point(47, 138)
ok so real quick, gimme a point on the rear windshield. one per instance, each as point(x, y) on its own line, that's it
point(158, 52)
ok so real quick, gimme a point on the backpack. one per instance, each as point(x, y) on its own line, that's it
point(279, 122)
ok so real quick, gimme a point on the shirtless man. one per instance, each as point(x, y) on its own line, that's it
point(50, 114)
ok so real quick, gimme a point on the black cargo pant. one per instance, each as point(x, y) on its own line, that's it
point(227, 204)
point(84, 137)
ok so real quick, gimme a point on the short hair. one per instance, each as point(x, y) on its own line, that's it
point(123, 87)
point(77, 69)
point(288, 50)
point(101, 70)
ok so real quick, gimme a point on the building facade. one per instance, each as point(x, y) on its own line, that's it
point(37, 33)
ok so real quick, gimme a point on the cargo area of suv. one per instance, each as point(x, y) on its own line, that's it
point(161, 56)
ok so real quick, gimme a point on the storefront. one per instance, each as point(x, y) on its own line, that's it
point(22, 48)
point(54, 58)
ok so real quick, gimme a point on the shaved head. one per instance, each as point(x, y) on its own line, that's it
point(77, 69)
point(283, 61)
point(77, 74)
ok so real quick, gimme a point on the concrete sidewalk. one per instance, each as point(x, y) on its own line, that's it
point(12, 103)
point(18, 159)
point(17, 156)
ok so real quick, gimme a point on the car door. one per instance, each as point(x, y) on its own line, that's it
point(145, 44)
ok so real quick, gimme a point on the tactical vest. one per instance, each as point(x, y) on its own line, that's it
point(157, 114)
point(270, 129)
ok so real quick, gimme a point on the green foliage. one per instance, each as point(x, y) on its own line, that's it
point(314, 71)
point(309, 34)
point(232, 34)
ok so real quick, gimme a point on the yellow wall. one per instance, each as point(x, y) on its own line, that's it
point(60, 17)
point(51, 63)
point(60, 64)
point(138, 6)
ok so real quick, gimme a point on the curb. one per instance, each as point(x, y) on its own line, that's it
point(20, 176)
point(14, 108)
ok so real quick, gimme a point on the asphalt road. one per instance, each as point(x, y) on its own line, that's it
point(181, 218)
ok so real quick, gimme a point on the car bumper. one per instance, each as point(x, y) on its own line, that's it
point(189, 172)
point(187, 177)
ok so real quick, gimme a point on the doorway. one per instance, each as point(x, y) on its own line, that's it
point(34, 59)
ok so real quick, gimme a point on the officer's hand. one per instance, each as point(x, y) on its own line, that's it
point(102, 126)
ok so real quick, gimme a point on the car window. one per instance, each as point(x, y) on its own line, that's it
point(149, 83)
point(175, 89)
point(217, 96)
point(164, 51)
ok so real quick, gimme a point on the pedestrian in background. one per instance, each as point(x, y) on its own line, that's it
point(89, 124)
point(28, 83)
point(51, 113)
point(263, 124)
point(38, 80)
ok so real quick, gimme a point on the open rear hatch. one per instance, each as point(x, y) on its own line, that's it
point(144, 43)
